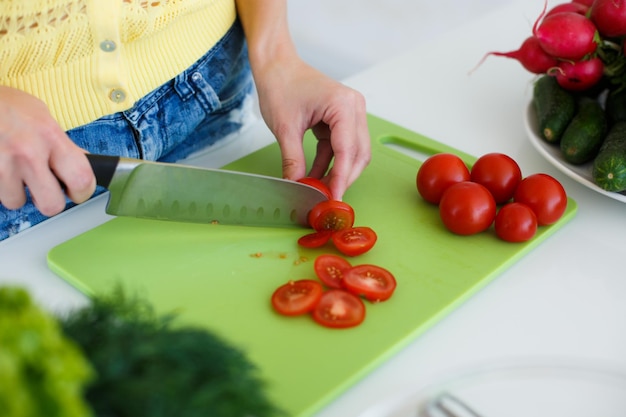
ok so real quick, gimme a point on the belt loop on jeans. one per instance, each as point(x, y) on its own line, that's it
point(183, 86)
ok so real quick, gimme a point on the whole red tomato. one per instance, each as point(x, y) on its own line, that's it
point(499, 173)
point(437, 173)
point(545, 195)
point(515, 222)
point(467, 208)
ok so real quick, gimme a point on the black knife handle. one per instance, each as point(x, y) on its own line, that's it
point(103, 167)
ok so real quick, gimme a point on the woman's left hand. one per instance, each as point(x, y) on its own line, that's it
point(295, 97)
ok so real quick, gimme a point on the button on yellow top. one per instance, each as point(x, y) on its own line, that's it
point(117, 95)
point(108, 46)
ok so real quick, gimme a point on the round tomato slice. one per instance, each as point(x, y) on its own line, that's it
point(331, 215)
point(315, 239)
point(330, 269)
point(370, 281)
point(318, 184)
point(339, 309)
point(354, 240)
point(297, 297)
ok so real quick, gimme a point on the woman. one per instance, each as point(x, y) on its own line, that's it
point(155, 80)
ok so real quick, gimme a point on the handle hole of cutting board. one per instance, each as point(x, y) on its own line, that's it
point(406, 147)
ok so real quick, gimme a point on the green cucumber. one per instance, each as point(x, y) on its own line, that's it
point(585, 133)
point(616, 105)
point(609, 166)
point(554, 106)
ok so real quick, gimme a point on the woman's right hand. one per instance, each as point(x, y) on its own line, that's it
point(36, 153)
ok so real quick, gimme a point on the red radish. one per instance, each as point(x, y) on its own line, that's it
point(566, 35)
point(569, 7)
point(587, 3)
point(579, 76)
point(530, 55)
point(609, 16)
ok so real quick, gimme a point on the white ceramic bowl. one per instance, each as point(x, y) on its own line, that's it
point(552, 153)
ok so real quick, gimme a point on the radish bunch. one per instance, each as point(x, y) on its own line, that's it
point(582, 43)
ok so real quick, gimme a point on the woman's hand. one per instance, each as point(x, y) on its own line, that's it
point(294, 97)
point(36, 153)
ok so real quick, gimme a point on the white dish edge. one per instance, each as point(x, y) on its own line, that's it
point(552, 153)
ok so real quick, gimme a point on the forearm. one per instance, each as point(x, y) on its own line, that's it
point(294, 97)
point(267, 32)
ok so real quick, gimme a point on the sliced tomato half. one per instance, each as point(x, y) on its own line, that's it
point(370, 281)
point(331, 215)
point(317, 183)
point(330, 269)
point(315, 239)
point(354, 241)
point(297, 297)
point(339, 309)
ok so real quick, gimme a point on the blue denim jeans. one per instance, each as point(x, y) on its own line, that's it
point(194, 110)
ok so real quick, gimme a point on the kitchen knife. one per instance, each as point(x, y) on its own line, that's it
point(167, 191)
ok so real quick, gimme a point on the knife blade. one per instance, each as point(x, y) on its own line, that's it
point(168, 191)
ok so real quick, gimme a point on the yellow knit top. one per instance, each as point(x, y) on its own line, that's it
point(89, 58)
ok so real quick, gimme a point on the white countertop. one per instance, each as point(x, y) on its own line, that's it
point(566, 299)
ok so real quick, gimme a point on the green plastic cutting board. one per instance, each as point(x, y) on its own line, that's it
point(222, 277)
